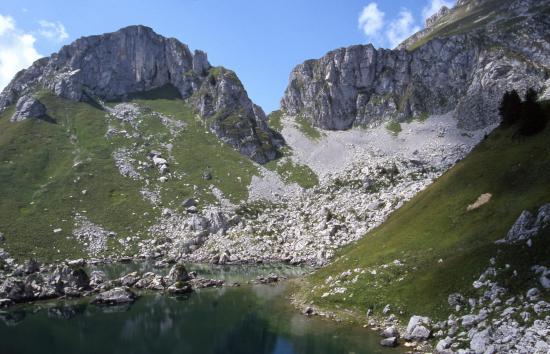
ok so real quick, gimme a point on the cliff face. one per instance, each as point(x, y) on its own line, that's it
point(135, 59)
point(461, 65)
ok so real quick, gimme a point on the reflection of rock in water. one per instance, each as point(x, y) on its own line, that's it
point(66, 312)
point(11, 318)
point(114, 308)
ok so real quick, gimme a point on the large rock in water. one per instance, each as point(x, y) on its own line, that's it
point(135, 59)
point(177, 273)
point(466, 73)
point(116, 296)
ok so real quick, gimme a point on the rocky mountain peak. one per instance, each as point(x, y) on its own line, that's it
point(112, 66)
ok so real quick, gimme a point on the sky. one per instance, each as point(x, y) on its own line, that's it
point(261, 40)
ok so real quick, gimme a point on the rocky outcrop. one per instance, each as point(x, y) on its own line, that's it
point(528, 225)
point(430, 21)
point(466, 73)
point(135, 59)
point(28, 107)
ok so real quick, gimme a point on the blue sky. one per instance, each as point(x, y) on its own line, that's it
point(261, 40)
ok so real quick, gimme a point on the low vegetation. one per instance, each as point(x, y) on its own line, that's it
point(275, 120)
point(293, 172)
point(307, 128)
point(394, 127)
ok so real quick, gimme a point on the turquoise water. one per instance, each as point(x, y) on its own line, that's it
point(246, 319)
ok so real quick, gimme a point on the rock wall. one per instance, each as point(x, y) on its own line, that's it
point(136, 59)
point(465, 73)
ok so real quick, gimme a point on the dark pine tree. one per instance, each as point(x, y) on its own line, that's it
point(532, 119)
point(510, 108)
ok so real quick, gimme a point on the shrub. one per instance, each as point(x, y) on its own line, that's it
point(532, 118)
point(510, 108)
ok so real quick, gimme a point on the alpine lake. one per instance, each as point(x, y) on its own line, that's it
point(241, 319)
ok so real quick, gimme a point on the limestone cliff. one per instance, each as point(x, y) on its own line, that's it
point(463, 63)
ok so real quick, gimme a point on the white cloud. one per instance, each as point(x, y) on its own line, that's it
point(434, 6)
point(401, 28)
point(17, 50)
point(6, 24)
point(53, 30)
point(371, 20)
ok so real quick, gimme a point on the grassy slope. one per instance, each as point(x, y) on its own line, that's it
point(289, 170)
point(293, 172)
point(198, 150)
point(435, 225)
point(41, 189)
point(463, 20)
point(307, 128)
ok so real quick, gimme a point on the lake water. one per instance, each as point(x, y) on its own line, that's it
point(246, 319)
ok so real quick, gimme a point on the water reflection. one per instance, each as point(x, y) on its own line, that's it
point(230, 273)
point(247, 319)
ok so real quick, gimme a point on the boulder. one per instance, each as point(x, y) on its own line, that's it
point(420, 333)
point(31, 266)
point(523, 228)
point(480, 341)
point(443, 345)
point(157, 283)
point(158, 161)
point(177, 273)
point(418, 328)
point(189, 202)
point(390, 332)
point(389, 342)
point(28, 107)
point(130, 279)
point(543, 216)
point(469, 320)
point(224, 257)
point(97, 277)
point(16, 290)
point(533, 294)
point(216, 220)
point(528, 225)
point(116, 296)
point(68, 277)
point(456, 299)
